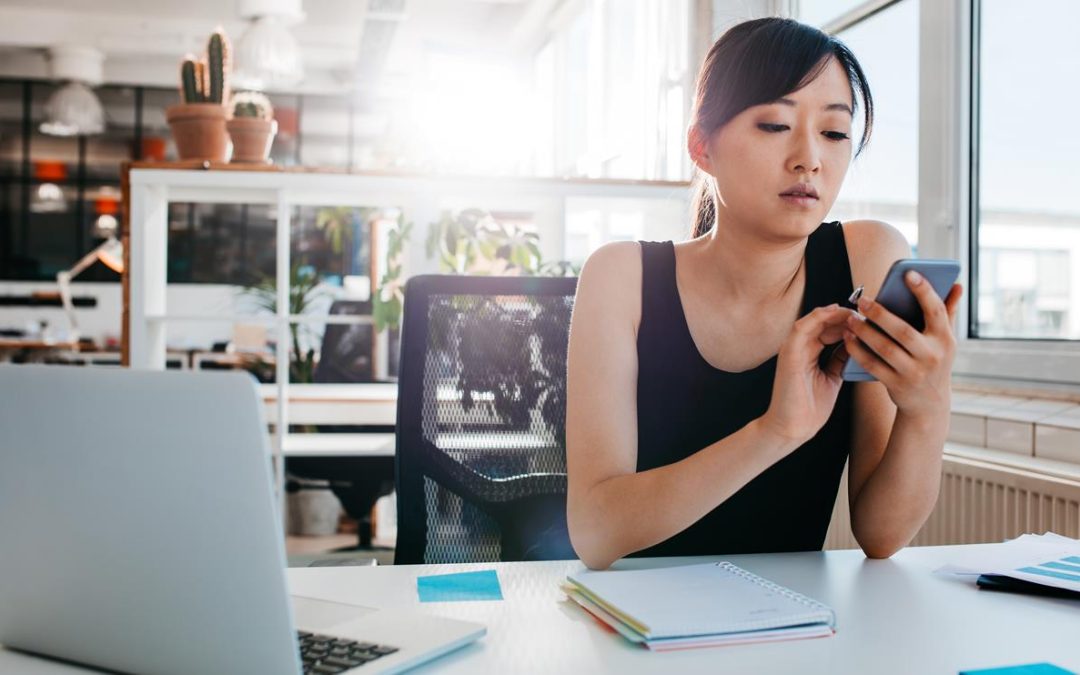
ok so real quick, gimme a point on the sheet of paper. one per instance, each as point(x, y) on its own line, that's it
point(1024, 551)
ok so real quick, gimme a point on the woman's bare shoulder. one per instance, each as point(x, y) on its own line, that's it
point(612, 271)
point(616, 256)
point(609, 288)
point(872, 247)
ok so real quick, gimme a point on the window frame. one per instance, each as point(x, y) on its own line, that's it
point(948, 192)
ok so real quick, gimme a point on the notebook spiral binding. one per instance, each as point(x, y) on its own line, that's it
point(819, 608)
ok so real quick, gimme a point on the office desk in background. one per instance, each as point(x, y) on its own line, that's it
point(893, 617)
point(373, 404)
point(33, 350)
point(361, 404)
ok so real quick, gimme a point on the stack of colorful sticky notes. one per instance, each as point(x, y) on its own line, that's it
point(459, 587)
point(697, 606)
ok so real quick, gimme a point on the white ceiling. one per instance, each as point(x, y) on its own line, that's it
point(317, 11)
point(144, 40)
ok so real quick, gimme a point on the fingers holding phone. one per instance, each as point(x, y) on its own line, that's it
point(906, 302)
point(908, 346)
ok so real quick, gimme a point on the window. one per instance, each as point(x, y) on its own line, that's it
point(468, 113)
point(619, 78)
point(883, 182)
point(61, 198)
point(594, 221)
point(12, 205)
point(995, 182)
point(1027, 219)
point(821, 12)
point(966, 124)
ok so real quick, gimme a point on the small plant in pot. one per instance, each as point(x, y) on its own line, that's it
point(198, 124)
point(252, 127)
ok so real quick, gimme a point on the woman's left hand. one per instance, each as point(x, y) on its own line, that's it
point(914, 366)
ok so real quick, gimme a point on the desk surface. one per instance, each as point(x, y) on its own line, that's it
point(38, 344)
point(372, 403)
point(893, 616)
point(368, 392)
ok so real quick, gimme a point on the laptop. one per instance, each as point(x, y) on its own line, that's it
point(139, 534)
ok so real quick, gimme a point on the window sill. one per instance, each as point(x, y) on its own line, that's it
point(1035, 467)
point(1045, 427)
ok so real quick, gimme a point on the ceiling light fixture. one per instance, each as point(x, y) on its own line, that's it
point(107, 206)
point(267, 56)
point(49, 196)
point(74, 109)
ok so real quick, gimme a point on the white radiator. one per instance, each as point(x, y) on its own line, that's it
point(985, 501)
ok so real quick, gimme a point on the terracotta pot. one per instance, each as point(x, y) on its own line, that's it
point(251, 138)
point(199, 131)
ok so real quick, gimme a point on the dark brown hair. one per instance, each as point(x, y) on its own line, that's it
point(758, 62)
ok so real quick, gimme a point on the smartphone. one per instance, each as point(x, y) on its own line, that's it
point(896, 297)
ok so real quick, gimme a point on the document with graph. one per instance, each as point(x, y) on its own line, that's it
point(1063, 572)
point(1047, 559)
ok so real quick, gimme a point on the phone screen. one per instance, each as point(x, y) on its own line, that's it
point(896, 297)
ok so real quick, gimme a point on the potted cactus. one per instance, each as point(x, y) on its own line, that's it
point(252, 127)
point(198, 124)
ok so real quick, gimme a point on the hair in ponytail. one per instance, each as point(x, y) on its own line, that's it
point(703, 203)
point(758, 62)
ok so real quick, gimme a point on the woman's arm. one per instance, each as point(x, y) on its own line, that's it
point(612, 509)
point(895, 468)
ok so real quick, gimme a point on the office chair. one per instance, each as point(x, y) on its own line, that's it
point(345, 353)
point(358, 482)
point(481, 443)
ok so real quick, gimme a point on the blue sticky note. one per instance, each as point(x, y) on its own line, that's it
point(461, 587)
point(1027, 669)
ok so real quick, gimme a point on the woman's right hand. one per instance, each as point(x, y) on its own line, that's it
point(803, 394)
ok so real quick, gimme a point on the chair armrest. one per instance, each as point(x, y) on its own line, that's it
point(477, 487)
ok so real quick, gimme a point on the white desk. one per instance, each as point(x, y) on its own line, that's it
point(339, 445)
point(893, 616)
point(347, 404)
point(374, 403)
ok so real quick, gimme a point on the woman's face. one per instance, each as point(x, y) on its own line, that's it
point(779, 166)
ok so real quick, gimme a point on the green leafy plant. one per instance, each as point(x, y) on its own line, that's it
point(206, 80)
point(303, 292)
point(474, 242)
point(390, 294)
point(336, 223)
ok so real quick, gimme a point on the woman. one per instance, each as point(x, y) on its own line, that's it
point(699, 420)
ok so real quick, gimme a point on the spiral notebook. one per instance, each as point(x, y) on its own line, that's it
point(698, 605)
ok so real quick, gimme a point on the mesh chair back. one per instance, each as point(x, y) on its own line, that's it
point(345, 354)
point(481, 443)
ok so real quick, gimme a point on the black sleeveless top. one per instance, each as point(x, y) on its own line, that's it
point(685, 404)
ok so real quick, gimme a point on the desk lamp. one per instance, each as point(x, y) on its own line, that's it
point(110, 253)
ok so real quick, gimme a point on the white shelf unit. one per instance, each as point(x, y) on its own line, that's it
point(422, 199)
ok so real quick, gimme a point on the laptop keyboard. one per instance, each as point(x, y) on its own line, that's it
point(326, 654)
